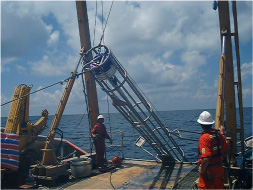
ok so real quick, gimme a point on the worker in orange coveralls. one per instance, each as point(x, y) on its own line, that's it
point(99, 135)
point(212, 145)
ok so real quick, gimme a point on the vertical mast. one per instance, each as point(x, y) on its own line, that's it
point(239, 83)
point(230, 84)
point(84, 32)
point(223, 9)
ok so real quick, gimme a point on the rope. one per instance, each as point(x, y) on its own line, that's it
point(61, 82)
point(95, 25)
point(108, 112)
point(134, 153)
point(81, 120)
point(87, 108)
point(59, 132)
point(102, 5)
point(111, 180)
point(102, 37)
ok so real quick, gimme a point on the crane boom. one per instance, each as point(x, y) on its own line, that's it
point(49, 156)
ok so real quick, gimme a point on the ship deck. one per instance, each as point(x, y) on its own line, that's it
point(138, 174)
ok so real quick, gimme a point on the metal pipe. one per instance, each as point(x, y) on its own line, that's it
point(223, 48)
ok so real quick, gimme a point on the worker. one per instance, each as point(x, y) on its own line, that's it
point(99, 135)
point(212, 145)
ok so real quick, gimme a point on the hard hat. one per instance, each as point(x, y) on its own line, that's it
point(100, 117)
point(205, 118)
point(116, 161)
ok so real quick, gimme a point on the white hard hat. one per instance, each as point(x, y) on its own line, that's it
point(100, 117)
point(205, 118)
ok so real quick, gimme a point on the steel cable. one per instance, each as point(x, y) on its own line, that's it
point(61, 82)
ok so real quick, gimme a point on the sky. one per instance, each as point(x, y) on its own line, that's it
point(171, 50)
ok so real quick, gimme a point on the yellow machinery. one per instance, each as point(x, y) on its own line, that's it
point(18, 118)
point(49, 157)
point(18, 123)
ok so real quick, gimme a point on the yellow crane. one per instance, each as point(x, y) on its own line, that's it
point(18, 123)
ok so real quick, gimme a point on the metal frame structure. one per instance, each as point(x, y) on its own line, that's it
point(131, 102)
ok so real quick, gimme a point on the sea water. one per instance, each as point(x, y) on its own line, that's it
point(75, 128)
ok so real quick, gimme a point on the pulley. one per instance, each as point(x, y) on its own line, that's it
point(102, 64)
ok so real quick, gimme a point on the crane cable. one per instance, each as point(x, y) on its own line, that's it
point(108, 112)
point(102, 37)
point(94, 37)
point(102, 5)
point(76, 75)
point(60, 82)
point(87, 108)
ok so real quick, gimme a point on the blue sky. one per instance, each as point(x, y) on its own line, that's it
point(171, 49)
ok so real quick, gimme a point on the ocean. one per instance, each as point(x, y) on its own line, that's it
point(75, 129)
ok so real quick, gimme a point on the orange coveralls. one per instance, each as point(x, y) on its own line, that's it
point(101, 134)
point(208, 148)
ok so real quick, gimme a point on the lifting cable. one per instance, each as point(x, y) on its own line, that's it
point(102, 5)
point(108, 112)
point(94, 37)
point(80, 120)
point(60, 82)
point(102, 21)
point(102, 37)
point(87, 108)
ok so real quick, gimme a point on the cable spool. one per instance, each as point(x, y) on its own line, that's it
point(102, 64)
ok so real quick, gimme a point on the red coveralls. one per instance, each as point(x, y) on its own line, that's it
point(208, 148)
point(101, 134)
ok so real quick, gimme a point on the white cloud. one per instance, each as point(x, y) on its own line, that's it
point(244, 12)
point(164, 45)
point(54, 38)
point(50, 99)
point(21, 69)
point(4, 63)
point(246, 70)
point(45, 67)
point(65, 15)
point(24, 31)
point(54, 66)
point(21, 30)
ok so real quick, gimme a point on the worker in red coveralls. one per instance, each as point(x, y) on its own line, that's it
point(99, 135)
point(212, 145)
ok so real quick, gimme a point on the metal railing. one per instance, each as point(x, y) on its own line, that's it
point(121, 146)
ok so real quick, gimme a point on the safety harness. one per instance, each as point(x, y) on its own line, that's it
point(218, 148)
